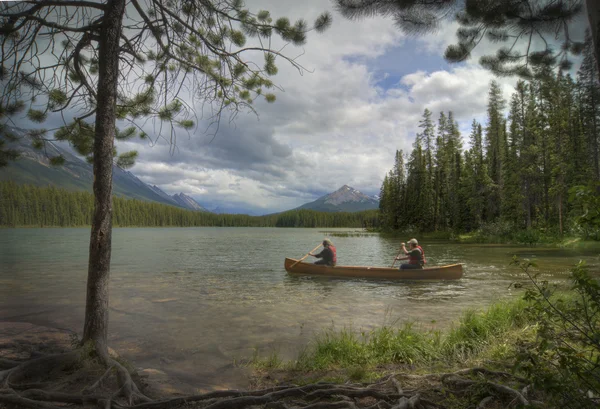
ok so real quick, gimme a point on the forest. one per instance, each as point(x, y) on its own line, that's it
point(32, 206)
point(530, 167)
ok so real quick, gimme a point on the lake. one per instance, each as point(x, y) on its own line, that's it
point(192, 301)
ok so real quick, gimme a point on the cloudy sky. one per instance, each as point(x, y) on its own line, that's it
point(338, 123)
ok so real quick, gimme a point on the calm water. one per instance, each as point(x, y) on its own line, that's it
point(190, 302)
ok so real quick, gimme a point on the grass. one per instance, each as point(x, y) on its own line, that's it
point(490, 335)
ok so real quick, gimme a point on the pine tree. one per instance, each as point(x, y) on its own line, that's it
point(440, 221)
point(426, 138)
point(479, 182)
point(494, 137)
point(512, 202)
point(590, 104)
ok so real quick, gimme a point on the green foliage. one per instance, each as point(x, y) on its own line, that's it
point(36, 115)
point(586, 200)
point(169, 112)
point(186, 124)
point(57, 160)
point(128, 133)
point(323, 22)
point(564, 358)
point(270, 67)
point(79, 134)
point(7, 155)
point(57, 98)
point(127, 159)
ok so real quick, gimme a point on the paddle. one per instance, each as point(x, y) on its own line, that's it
point(307, 254)
point(397, 256)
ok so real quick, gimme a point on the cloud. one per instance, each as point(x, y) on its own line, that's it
point(360, 99)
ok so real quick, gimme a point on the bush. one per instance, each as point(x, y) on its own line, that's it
point(564, 358)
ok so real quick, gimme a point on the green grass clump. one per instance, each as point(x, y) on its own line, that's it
point(477, 335)
point(477, 330)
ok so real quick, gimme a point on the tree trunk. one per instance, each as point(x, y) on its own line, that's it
point(593, 11)
point(96, 308)
point(560, 215)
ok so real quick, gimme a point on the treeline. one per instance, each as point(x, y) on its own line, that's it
point(27, 205)
point(519, 169)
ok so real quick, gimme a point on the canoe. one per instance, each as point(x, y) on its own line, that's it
point(448, 272)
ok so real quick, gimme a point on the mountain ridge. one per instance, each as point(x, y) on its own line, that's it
point(345, 199)
point(33, 167)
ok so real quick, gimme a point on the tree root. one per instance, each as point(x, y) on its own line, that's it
point(116, 389)
point(128, 388)
point(7, 363)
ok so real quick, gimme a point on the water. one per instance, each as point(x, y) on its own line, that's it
point(192, 301)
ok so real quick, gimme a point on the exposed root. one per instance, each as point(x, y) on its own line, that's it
point(484, 402)
point(21, 402)
point(7, 363)
point(113, 387)
point(89, 389)
point(128, 388)
point(518, 398)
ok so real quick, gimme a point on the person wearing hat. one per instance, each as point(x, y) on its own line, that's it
point(415, 256)
point(328, 256)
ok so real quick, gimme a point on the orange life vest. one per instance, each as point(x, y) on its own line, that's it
point(334, 254)
point(416, 260)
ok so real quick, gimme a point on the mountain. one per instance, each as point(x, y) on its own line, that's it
point(33, 167)
point(345, 199)
point(162, 194)
point(189, 203)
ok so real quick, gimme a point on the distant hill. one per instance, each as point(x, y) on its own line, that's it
point(345, 199)
point(33, 167)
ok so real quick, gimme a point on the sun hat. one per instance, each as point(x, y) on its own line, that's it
point(328, 242)
point(413, 241)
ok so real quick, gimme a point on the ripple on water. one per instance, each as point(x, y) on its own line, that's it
point(182, 295)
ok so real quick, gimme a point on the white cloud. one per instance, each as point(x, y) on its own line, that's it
point(333, 125)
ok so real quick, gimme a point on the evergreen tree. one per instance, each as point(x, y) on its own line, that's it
point(440, 176)
point(512, 202)
point(494, 137)
point(590, 104)
point(519, 172)
point(426, 138)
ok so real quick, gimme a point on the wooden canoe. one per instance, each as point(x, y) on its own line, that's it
point(449, 272)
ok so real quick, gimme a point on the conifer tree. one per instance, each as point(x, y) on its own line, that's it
point(440, 176)
point(478, 179)
point(453, 153)
point(426, 139)
point(590, 104)
point(494, 137)
point(512, 202)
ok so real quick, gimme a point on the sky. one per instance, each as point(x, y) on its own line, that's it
point(338, 123)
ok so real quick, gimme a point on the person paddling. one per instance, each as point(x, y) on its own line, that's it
point(328, 256)
point(415, 256)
